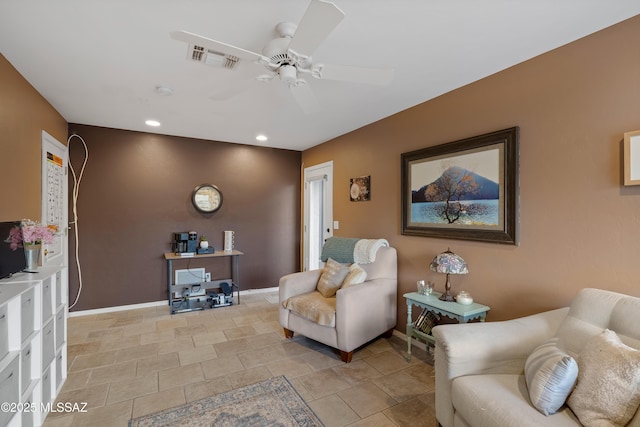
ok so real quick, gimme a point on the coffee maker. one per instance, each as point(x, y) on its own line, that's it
point(185, 242)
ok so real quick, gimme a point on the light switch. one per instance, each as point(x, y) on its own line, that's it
point(336, 225)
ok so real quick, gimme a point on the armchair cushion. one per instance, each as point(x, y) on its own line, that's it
point(315, 307)
point(608, 390)
point(331, 278)
point(356, 276)
point(550, 375)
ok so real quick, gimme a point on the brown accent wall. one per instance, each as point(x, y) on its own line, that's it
point(136, 192)
point(24, 114)
point(579, 227)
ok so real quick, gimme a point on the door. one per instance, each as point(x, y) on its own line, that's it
point(55, 199)
point(318, 212)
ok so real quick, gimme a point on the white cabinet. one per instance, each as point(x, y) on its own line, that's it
point(9, 383)
point(33, 344)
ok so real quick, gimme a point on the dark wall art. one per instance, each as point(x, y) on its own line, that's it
point(466, 189)
point(360, 189)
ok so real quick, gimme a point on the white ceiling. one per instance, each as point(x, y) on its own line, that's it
point(98, 62)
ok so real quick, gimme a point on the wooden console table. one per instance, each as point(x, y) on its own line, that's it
point(235, 275)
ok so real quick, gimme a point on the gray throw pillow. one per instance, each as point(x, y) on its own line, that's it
point(550, 374)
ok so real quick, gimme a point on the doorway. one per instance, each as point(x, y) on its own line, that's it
point(318, 212)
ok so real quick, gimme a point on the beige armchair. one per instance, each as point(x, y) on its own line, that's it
point(362, 312)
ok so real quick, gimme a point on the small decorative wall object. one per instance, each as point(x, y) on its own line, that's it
point(206, 198)
point(360, 189)
point(632, 158)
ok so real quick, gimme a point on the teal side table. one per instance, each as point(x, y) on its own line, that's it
point(452, 310)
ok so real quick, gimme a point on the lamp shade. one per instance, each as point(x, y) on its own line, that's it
point(448, 263)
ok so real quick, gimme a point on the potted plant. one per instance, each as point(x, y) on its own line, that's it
point(34, 234)
point(204, 243)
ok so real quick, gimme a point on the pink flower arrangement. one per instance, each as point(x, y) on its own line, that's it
point(15, 238)
point(35, 233)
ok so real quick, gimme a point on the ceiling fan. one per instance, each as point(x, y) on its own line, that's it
point(289, 56)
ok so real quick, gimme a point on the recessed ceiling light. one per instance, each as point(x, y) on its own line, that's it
point(164, 90)
point(153, 123)
point(261, 137)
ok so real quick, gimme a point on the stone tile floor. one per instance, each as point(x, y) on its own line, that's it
point(130, 363)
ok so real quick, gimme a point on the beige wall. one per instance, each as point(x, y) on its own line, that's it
point(579, 227)
point(24, 114)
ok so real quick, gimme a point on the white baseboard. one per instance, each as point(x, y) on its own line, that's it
point(152, 304)
point(259, 291)
point(117, 308)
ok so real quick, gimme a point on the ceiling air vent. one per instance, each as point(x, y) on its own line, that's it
point(197, 52)
point(214, 59)
point(230, 61)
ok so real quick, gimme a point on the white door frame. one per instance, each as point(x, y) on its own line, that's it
point(322, 171)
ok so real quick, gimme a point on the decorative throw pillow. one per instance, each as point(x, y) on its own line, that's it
point(608, 389)
point(331, 278)
point(550, 374)
point(356, 276)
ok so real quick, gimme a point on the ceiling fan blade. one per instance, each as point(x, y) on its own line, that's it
point(216, 46)
point(231, 91)
point(370, 76)
point(317, 23)
point(305, 98)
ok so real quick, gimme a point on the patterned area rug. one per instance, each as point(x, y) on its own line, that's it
point(273, 402)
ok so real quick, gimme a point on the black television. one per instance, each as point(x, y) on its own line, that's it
point(12, 259)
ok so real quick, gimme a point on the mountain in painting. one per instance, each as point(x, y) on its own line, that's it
point(484, 188)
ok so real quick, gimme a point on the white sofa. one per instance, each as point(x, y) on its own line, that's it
point(362, 312)
point(479, 367)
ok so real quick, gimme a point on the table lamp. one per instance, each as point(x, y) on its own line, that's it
point(448, 263)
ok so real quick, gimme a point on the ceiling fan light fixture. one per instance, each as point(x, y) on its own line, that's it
point(288, 73)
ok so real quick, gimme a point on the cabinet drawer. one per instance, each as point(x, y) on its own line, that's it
point(9, 387)
point(4, 332)
point(46, 386)
point(26, 357)
point(47, 303)
point(27, 313)
point(59, 296)
point(27, 416)
point(48, 345)
point(59, 367)
point(60, 321)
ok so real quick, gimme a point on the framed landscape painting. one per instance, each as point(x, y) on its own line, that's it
point(465, 189)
